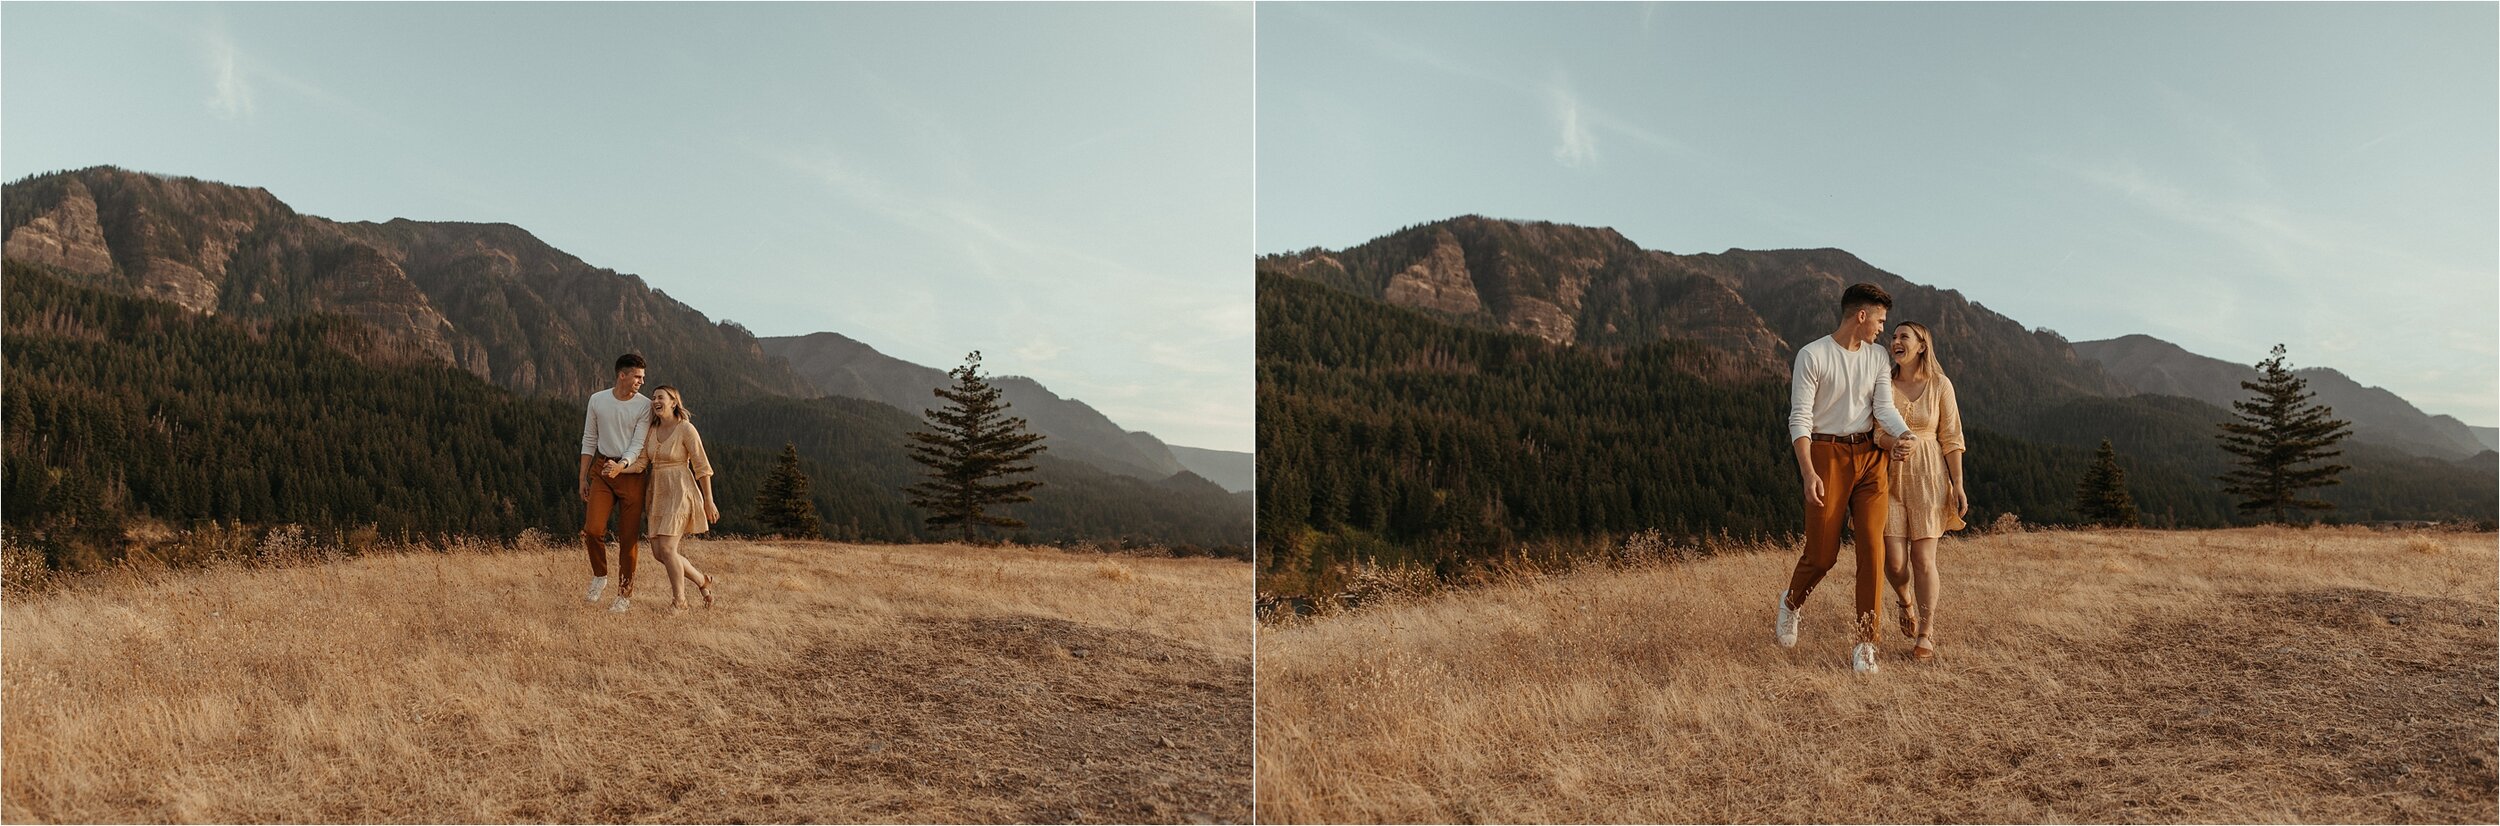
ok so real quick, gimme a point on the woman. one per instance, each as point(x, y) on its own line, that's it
point(1927, 494)
point(681, 493)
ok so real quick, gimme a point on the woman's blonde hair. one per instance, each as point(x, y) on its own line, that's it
point(1924, 365)
point(683, 414)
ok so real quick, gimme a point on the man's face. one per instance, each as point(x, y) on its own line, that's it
point(1875, 318)
point(630, 379)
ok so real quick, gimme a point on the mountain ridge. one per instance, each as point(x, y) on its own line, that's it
point(488, 298)
point(2152, 365)
point(1591, 286)
point(492, 301)
point(839, 365)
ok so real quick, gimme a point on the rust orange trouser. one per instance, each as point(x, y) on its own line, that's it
point(623, 494)
point(1855, 492)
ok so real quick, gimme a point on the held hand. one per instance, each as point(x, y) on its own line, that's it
point(1901, 451)
point(609, 469)
point(1814, 490)
point(1885, 440)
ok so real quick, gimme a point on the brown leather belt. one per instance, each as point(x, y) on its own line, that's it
point(1851, 439)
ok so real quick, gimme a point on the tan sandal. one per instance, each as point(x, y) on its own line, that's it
point(1924, 651)
point(706, 587)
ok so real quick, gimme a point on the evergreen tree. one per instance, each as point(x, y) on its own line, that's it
point(2278, 432)
point(2102, 497)
point(784, 506)
point(970, 448)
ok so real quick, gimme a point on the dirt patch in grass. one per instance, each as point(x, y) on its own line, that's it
point(1028, 719)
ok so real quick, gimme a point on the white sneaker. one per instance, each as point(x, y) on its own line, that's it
point(597, 584)
point(1862, 659)
point(623, 604)
point(1785, 630)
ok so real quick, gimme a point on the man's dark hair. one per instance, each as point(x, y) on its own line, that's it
point(632, 360)
point(1860, 296)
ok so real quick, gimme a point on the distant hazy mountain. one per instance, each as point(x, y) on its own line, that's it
point(1229, 468)
point(2489, 436)
point(2152, 365)
point(842, 366)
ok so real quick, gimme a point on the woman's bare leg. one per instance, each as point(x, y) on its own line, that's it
point(665, 547)
point(1897, 572)
point(691, 576)
point(1923, 569)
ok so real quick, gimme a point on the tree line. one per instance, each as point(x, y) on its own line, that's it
point(1389, 436)
point(122, 412)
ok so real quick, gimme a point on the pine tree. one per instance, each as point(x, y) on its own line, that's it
point(2278, 432)
point(970, 447)
point(784, 506)
point(2102, 498)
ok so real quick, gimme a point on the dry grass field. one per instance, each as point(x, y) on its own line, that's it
point(2273, 675)
point(833, 683)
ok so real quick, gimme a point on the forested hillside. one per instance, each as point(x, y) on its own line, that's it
point(127, 417)
point(1389, 435)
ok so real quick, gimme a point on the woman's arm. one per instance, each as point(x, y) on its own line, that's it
point(1948, 421)
point(1949, 439)
point(701, 463)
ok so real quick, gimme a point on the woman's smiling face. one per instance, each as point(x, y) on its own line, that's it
point(1905, 345)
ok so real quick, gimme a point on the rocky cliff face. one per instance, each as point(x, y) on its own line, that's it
point(1560, 283)
point(489, 299)
point(1593, 287)
point(67, 236)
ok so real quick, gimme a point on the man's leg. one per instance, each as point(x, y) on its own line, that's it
point(1822, 523)
point(1867, 500)
point(595, 524)
point(630, 489)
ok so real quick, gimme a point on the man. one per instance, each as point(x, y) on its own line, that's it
point(612, 433)
point(1838, 391)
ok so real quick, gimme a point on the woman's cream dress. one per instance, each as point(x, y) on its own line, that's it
point(675, 502)
point(1919, 486)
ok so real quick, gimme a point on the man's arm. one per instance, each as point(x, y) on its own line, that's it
point(1803, 381)
point(590, 431)
point(1804, 449)
point(1885, 414)
point(590, 447)
point(633, 445)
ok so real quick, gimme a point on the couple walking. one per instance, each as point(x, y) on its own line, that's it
point(1884, 470)
point(643, 460)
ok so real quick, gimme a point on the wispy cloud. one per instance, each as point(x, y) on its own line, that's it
point(1580, 119)
point(231, 95)
point(2309, 265)
point(2231, 148)
point(1000, 248)
point(2260, 226)
point(1575, 147)
point(1041, 348)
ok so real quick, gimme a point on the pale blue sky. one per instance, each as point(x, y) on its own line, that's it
point(1065, 187)
point(2223, 176)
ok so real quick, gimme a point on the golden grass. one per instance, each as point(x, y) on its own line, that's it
point(2273, 675)
point(834, 683)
